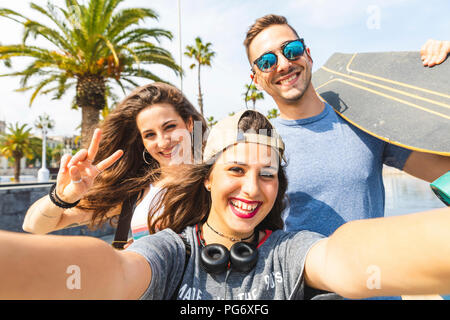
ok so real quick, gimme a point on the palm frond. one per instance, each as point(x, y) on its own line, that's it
point(142, 73)
point(128, 17)
point(139, 35)
point(12, 15)
point(63, 40)
point(40, 86)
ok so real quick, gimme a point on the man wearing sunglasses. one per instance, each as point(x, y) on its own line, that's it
point(334, 169)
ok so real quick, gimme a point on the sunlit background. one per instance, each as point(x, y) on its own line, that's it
point(327, 26)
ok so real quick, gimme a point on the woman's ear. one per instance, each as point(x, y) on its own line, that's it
point(190, 124)
point(207, 185)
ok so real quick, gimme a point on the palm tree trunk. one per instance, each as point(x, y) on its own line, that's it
point(200, 97)
point(91, 91)
point(89, 121)
point(17, 168)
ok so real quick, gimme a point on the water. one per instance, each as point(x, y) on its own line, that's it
point(407, 194)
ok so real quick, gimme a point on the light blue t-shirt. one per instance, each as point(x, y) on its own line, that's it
point(334, 172)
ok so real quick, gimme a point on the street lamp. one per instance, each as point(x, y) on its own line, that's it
point(179, 43)
point(44, 123)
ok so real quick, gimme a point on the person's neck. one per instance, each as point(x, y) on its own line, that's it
point(211, 236)
point(309, 105)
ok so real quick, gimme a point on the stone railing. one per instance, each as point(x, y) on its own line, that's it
point(15, 199)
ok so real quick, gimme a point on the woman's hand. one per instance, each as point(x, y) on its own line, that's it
point(76, 174)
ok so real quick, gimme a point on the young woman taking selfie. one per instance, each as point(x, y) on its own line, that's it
point(226, 214)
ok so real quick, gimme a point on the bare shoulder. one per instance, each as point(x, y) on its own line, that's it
point(315, 265)
point(137, 273)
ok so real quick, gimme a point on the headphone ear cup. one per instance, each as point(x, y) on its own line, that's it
point(243, 256)
point(214, 258)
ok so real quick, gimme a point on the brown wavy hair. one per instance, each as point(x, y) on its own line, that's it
point(119, 131)
point(184, 200)
point(261, 24)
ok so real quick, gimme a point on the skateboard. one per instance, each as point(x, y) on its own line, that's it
point(391, 96)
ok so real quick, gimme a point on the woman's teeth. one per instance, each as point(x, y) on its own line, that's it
point(243, 207)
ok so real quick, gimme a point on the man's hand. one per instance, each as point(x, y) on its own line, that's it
point(434, 52)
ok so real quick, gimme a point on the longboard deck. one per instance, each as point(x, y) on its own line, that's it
point(392, 96)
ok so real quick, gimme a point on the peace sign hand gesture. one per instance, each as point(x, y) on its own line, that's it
point(76, 174)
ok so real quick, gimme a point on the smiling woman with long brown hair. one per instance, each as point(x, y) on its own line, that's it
point(150, 126)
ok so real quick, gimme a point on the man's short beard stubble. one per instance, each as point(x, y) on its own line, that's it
point(294, 100)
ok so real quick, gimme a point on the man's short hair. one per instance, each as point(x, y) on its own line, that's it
point(261, 24)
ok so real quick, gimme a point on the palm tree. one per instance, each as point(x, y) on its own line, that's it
point(93, 45)
point(211, 121)
point(252, 94)
point(272, 113)
point(203, 56)
point(16, 144)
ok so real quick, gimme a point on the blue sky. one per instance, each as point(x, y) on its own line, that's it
point(327, 26)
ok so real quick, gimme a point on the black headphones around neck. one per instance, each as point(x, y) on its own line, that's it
point(215, 257)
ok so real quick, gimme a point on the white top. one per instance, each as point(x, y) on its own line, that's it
point(139, 221)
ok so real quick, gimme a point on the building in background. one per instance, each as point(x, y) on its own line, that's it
point(3, 160)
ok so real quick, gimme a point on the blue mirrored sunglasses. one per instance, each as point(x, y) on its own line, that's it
point(291, 50)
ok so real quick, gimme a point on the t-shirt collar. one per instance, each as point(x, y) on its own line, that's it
point(304, 121)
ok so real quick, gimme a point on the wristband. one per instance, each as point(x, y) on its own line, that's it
point(58, 201)
point(441, 187)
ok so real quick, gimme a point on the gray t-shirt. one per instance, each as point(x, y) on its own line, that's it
point(278, 273)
